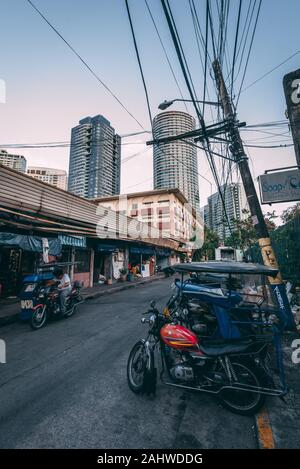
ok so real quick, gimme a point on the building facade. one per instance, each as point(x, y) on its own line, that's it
point(95, 159)
point(235, 202)
point(55, 177)
point(175, 163)
point(17, 162)
point(166, 210)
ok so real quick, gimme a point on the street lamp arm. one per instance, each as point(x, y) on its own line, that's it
point(165, 104)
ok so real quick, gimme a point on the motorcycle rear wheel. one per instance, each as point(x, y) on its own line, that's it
point(38, 318)
point(244, 402)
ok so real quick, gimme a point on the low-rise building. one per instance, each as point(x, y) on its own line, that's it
point(17, 162)
point(167, 210)
point(55, 177)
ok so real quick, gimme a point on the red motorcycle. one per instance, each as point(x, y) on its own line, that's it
point(226, 369)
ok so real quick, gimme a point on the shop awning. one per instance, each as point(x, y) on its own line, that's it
point(30, 243)
point(163, 252)
point(107, 247)
point(142, 250)
point(77, 241)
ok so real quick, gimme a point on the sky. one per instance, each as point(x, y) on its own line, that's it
point(48, 90)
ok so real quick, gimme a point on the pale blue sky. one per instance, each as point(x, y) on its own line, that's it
point(48, 89)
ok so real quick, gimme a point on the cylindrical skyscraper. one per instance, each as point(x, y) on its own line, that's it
point(175, 163)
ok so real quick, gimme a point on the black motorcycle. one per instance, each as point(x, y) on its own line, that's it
point(40, 301)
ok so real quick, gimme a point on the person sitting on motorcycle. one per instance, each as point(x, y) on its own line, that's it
point(64, 288)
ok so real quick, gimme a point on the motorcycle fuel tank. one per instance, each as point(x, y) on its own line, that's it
point(178, 337)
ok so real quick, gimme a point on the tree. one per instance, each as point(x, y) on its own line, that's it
point(244, 235)
point(211, 242)
point(291, 213)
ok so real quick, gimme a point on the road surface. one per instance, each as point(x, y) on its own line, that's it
point(65, 386)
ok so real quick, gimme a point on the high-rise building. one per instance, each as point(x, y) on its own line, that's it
point(55, 177)
point(17, 162)
point(175, 163)
point(95, 159)
point(235, 203)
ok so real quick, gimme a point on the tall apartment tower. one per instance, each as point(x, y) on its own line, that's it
point(235, 202)
point(175, 163)
point(17, 162)
point(95, 159)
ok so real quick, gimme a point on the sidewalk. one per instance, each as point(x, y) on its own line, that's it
point(278, 424)
point(10, 308)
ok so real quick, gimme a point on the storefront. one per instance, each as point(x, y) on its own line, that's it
point(109, 260)
point(79, 259)
point(162, 258)
point(21, 255)
point(142, 261)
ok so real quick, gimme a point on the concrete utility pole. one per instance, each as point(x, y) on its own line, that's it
point(291, 85)
point(240, 157)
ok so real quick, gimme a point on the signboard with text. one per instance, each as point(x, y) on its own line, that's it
point(280, 186)
point(291, 86)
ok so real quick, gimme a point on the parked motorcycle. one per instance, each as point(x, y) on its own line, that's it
point(226, 369)
point(40, 301)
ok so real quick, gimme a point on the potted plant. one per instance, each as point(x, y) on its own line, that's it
point(123, 274)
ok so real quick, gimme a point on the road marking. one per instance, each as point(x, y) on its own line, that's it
point(264, 430)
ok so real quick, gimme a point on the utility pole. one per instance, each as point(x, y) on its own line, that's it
point(259, 223)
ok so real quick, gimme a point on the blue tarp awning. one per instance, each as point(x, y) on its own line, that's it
point(30, 243)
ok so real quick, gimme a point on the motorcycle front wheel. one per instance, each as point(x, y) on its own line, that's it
point(244, 402)
point(140, 373)
point(38, 318)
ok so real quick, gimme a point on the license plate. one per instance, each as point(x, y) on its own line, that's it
point(26, 304)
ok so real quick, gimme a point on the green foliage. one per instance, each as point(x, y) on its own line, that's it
point(291, 213)
point(244, 235)
point(211, 242)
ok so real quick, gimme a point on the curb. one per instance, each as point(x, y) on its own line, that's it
point(9, 319)
point(119, 288)
point(15, 317)
point(264, 431)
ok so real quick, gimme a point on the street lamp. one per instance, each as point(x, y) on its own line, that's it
point(165, 104)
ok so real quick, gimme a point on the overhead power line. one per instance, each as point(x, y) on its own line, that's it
point(165, 52)
point(84, 62)
point(139, 61)
point(271, 71)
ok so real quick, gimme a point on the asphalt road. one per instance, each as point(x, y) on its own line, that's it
point(65, 387)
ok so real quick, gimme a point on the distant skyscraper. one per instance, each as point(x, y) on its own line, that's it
point(175, 163)
point(17, 162)
point(235, 202)
point(95, 159)
point(55, 177)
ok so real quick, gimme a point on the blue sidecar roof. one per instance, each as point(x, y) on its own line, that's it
point(226, 267)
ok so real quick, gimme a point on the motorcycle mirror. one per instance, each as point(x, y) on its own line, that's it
point(152, 304)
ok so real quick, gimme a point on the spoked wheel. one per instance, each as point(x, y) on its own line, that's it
point(38, 318)
point(70, 309)
point(244, 402)
point(137, 368)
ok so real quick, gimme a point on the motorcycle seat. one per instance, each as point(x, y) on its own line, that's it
point(214, 350)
